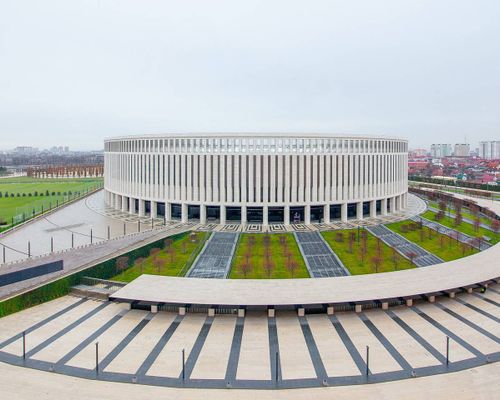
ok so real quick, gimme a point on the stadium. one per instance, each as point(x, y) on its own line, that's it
point(256, 178)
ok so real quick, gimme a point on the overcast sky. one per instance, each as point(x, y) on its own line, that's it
point(74, 72)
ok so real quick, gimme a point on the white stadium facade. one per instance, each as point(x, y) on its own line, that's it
point(256, 178)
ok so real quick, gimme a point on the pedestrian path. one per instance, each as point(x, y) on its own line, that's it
point(408, 249)
point(453, 233)
point(320, 259)
point(214, 261)
point(254, 351)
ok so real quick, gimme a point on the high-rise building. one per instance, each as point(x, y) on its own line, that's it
point(462, 150)
point(489, 150)
point(440, 150)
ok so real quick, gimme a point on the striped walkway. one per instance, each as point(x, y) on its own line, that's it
point(254, 351)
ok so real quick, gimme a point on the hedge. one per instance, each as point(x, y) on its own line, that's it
point(62, 286)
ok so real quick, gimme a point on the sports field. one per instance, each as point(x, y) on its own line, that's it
point(23, 197)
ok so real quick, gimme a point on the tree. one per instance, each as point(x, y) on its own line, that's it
point(282, 240)
point(154, 252)
point(441, 240)
point(376, 261)
point(184, 247)
point(495, 225)
point(339, 237)
point(412, 255)
point(476, 224)
point(245, 267)
point(121, 264)
point(352, 239)
point(291, 266)
point(158, 264)
point(395, 258)
point(140, 262)
point(268, 267)
point(363, 250)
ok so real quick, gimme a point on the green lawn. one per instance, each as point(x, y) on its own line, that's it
point(464, 227)
point(449, 250)
point(257, 258)
point(465, 213)
point(176, 264)
point(356, 263)
point(34, 194)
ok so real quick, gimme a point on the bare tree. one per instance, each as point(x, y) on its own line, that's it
point(352, 239)
point(139, 262)
point(245, 267)
point(376, 262)
point(268, 267)
point(339, 237)
point(476, 224)
point(395, 258)
point(121, 264)
point(411, 255)
point(158, 264)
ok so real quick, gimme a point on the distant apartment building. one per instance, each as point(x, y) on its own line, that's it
point(489, 150)
point(440, 150)
point(418, 153)
point(25, 150)
point(462, 150)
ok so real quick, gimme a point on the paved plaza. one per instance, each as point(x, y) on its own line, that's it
point(244, 352)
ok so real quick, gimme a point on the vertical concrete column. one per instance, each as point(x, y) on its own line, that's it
point(343, 212)
point(373, 208)
point(359, 210)
point(154, 209)
point(326, 213)
point(307, 214)
point(184, 212)
point(243, 215)
point(125, 204)
point(203, 214)
point(400, 202)
point(131, 205)
point(265, 215)
point(118, 202)
point(142, 208)
point(168, 211)
point(383, 206)
point(286, 216)
point(222, 214)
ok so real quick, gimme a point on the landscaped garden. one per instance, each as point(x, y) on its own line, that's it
point(173, 259)
point(474, 230)
point(365, 254)
point(263, 256)
point(23, 197)
point(444, 247)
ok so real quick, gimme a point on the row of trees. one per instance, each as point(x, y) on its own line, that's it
point(66, 171)
point(156, 256)
point(36, 193)
point(268, 263)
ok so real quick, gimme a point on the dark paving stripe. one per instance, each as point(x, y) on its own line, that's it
point(358, 360)
point(480, 296)
point(125, 341)
point(63, 331)
point(274, 348)
point(89, 340)
point(198, 345)
point(477, 309)
point(424, 343)
point(388, 345)
point(494, 290)
point(151, 358)
point(447, 332)
point(234, 355)
point(467, 322)
point(313, 349)
point(42, 322)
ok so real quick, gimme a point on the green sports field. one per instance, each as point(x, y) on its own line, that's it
point(22, 197)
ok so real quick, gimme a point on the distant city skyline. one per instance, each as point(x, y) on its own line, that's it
point(424, 71)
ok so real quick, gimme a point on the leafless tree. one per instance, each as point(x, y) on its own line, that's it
point(121, 263)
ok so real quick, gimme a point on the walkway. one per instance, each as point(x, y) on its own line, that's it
point(85, 256)
point(464, 219)
point(320, 259)
point(214, 261)
point(405, 247)
point(136, 345)
point(452, 233)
